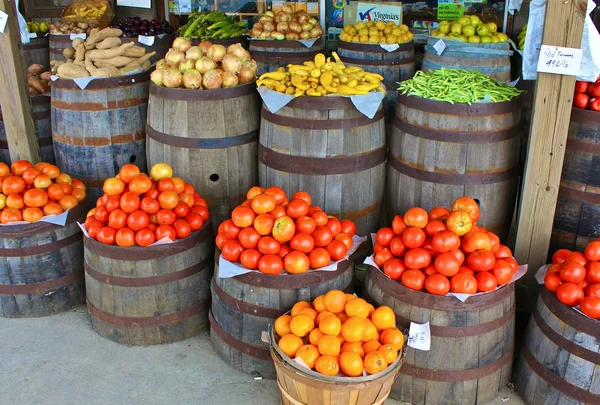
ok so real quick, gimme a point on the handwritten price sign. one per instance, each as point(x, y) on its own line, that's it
point(559, 61)
point(419, 336)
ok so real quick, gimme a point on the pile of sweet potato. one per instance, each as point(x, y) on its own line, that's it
point(38, 80)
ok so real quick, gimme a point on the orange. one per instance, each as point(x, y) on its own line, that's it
point(341, 339)
point(289, 344)
point(389, 353)
point(327, 365)
point(319, 303)
point(374, 363)
point(321, 316)
point(330, 325)
point(16, 201)
point(68, 202)
point(350, 297)
point(32, 214)
point(357, 307)
point(351, 364)
point(309, 354)
point(329, 345)
point(314, 336)
point(299, 306)
point(282, 325)
point(371, 309)
point(371, 346)
point(353, 330)
point(301, 325)
point(393, 337)
point(384, 318)
point(310, 312)
point(370, 331)
point(343, 316)
point(354, 348)
point(335, 301)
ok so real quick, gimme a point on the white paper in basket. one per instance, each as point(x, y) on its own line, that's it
point(163, 241)
point(228, 269)
point(59, 220)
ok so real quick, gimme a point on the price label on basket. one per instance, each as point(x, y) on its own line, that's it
point(148, 41)
point(73, 36)
point(185, 6)
point(32, 35)
point(559, 61)
point(3, 20)
point(419, 336)
point(439, 46)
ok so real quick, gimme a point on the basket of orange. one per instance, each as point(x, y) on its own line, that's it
point(338, 347)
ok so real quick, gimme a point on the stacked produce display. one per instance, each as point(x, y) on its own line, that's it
point(376, 33)
point(97, 12)
point(321, 77)
point(206, 25)
point(69, 28)
point(39, 28)
point(30, 192)
point(134, 26)
point(340, 334)
point(270, 233)
point(587, 95)
point(469, 28)
point(286, 24)
point(38, 80)
point(140, 209)
point(444, 250)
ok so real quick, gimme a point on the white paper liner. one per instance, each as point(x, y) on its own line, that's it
point(60, 220)
point(228, 269)
point(389, 47)
point(82, 82)
point(163, 241)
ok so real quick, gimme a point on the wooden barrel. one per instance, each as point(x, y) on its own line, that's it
point(271, 54)
point(41, 267)
point(325, 146)
point(209, 137)
point(151, 295)
point(441, 151)
point(560, 359)
point(97, 130)
point(299, 385)
point(161, 45)
point(242, 39)
point(472, 343)
point(578, 207)
point(40, 106)
point(490, 59)
point(395, 67)
point(36, 51)
point(57, 43)
point(244, 306)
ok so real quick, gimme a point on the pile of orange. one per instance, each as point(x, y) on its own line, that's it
point(340, 333)
point(270, 233)
point(29, 192)
point(444, 250)
point(138, 209)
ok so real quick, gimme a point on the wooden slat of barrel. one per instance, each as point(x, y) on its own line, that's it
point(40, 106)
point(577, 212)
point(490, 59)
point(36, 51)
point(439, 152)
point(244, 306)
point(325, 146)
point(471, 343)
point(41, 268)
point(271, 54)
point(560, 359)
point(210, 139)
point(150, 295)
point(160, 46)
point(243, 40)
point(97, 130)
point(57, 43)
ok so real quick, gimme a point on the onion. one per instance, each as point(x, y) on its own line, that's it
point(162, 64)
point(313, 21)
point(172, 78)
point(257, 26)
point(231, 64)
point(192, 79)
point(237, 50)
point(270, 13)
point(205, 64)
point(173, 57)
point(283, 27)
point(182, 44)
point(265, 35)
point(287, 9)
point(315, 32)
point(251, 64)
point(204, 46)
point(305, 35)
point(194, 53)
point(303, 18)
point(284, 17)
point(295, 27)
point(157, 76)
point(229, 79)
point(219, 70)
point(265, 19)
point(216, 52)
point(186, 65)
point(276, 20)
point(212, 80)
point(246, 75)
point(291, 36)
point(277, 35)
point(307, 26)
point(268, 26)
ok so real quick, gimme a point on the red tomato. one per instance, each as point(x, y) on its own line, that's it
point(591, 307)
point(433, 227)
point(481, 260)
point(445, 241)
point(592, 251)
point(437, 284)
point(202, 210)
point(149, 205)
point(495, 242)
point(413, 237)
point(593, 272)
point(382, 256)
point(552, 281)
point(476, 240)
point(283, 251)
point(593, 290)
point(130, 202)
point(413, 279)
point(283, 229)
point(249, 238)
point(348, 227)
point(447, 264)
point(145, 237)
point(267, 245)
point(569, 294)
point(296, 263)
point(345, 239)
point(305, 224)
point(334, 226)
point(231, 250)
point(318, 258)
point(165, 231)
point(302, 195)
point(337, 250)
point(195, 220)
point(250, 258)
point(320, 217)
point(181, 210)
point(106, 235)
point(384, 236)
point(302, 242)
point(560, 256)
point(502, 271)
point(322, 236)
point(182, 228)
point(467, 204)
point(394, 268)
point(125, 237)
point(460, 256)
point(417, 258)
point(429, 270)
point(263, 223)
point(438, 213)
point(230, 230)
point(397, 247)
point(466, 270)
point(270, 264)
point(486, 281)
point(572, 272)
point(463, 283)
point(138, 220)
point(577, 257)
point(398, 225)
point(101, 214)
point(377, 248)
point(297, 208)
point(112, 203)
point(117, 219)
point(165, 217)
point(416, 217)
point(503, 251)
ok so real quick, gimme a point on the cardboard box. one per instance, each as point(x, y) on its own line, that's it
point(310, 6)
point(372, 11)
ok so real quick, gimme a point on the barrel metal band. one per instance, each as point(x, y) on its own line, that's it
point(480, 137)
point(379, 62)
point(283, 44)
point(248, 89)
point(573, 194)
point(94, 107)
point(41, 249)
point(250, 350)
point(320, 166)
point(372, 48)
point(245, 307)
point(320, 124)
point(588, 117)
point(560, 384)
point(149, 321)
point(150, 281)
point(37, 228)
point(582, 146)
point(43, 287)
point(457, 375)
point(202, 143)
point(93, 141)
point(273, 57)
point(567, 314)
point(451, 178)
point(103, 84)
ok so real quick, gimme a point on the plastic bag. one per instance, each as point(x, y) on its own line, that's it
point(22, 26)
point(514, 5)
point(590, 63)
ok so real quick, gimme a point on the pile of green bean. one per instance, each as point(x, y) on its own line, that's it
point(457, 86)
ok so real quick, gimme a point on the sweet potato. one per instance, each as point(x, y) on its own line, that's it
point(146, 65)
point(96, 37)
point(69, 61)
point(32, 91)
point(125, 70)
point(118, 61)
point(103, 72)
point(91, 45)
point(107, 43)
point(104, 65)
point(142, 60)
point(135, 52)
point(72, 71)
point(36, 84)
point(76, 42)
point(45, 76)
point(109, 53)
point(79, 53)
point(69, 53)
point(35, 68)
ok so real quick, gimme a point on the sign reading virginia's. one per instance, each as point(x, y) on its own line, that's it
point(379, 12)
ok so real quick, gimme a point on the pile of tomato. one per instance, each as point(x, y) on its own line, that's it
point(340, 333)
point(270, 233)
point(30, 192)
point(444, 250)
point(138, 209)
point(575, 278)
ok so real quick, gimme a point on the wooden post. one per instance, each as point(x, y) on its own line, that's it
point(547, 140)
point(14, 97)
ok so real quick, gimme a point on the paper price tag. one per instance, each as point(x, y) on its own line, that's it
point(32, 35)
point(148, 41)
point(389, 47)
point(185, 6)
point(439, 46)
point(3, 20)
point(419, 336)
point(559, 61)
point(73, 36)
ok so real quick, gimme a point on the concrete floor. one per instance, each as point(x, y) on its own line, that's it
point(61, 360)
